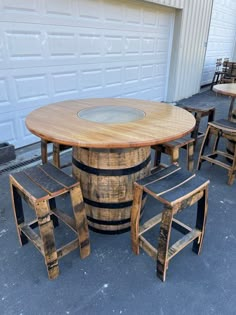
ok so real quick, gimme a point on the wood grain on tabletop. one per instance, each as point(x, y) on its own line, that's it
point(59, 122)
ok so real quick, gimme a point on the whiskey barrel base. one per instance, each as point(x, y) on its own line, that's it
point(107, 177)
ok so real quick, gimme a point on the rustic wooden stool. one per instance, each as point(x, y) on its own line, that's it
point(39, 186)
point(57, 148)
point(200, 111)
point(176, 189)
point(225, 129)
point(172, 148)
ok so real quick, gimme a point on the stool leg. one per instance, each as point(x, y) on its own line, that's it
point(190, 157)
point(202, 208)
point(194, 134)
point(163, 243)
point(175, 156)
point(202, 149)
point(135, 217)
point(157, 157)
point(52, 203)
point(18, 213)
point(211, 117)
point(56, 154)
point(232, 171)
point(46, 232)
point(44, 151)
point(81, 221)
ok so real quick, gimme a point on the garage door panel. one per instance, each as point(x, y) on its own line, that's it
point(58, 50)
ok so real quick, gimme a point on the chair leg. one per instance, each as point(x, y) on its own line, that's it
point(52, 203)
point(18, 214)
point(232, 171)
point(190, 157)
point(157, 157)
point(56, 155)
point(48, 240)
point(195, 132)
point(211, 118)
point(163, 243)
point(175, 156)
point(202, 149)
point(44, 151)
point(81, 221)
point(135, 217)
point(202, 208)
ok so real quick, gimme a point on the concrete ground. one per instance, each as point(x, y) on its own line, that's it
point(112, 280)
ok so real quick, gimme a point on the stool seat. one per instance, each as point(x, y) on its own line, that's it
point(176, 189)
point(39, 186)
point(199, 111)
point(221, 128)
point(172, 149)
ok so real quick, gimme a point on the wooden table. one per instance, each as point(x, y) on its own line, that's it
point(111, 141)
point(228, 89)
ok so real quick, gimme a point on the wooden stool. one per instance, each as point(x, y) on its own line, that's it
point(225, 129)
point(200, 111)
point(176, 189)
point(39, 186)
point(57, 148)
point(172, 148)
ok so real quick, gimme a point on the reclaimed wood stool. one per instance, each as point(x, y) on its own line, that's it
point(39, 186)
point(199, 111)
point(57, 148)
point(176, 189)
point(172, 149)
point(220, 129)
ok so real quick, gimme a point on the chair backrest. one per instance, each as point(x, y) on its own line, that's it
point(218, 63)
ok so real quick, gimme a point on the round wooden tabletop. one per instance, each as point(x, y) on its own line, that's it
point(110, 123)
point(228, 89)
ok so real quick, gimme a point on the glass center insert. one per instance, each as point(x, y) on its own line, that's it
point(111, 114)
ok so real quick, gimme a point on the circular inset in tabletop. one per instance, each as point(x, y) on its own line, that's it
point(111, 114)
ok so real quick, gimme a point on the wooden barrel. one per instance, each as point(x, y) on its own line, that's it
point(107, 177)
point(231, 144)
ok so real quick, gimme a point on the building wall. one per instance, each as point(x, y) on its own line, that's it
point(192, 23)
point(222, 36)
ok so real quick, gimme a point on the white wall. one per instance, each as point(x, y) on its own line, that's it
point(222, 35)
point(192, 21)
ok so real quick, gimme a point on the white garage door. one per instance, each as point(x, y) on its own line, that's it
point(56, 50)
point(222, 36)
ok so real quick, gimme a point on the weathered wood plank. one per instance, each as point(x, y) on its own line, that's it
point(33, 237)
point(183, 242)
point(150, 224)
point(147, 247)
point(41, 179)
point(59, 176)
point(69, 221)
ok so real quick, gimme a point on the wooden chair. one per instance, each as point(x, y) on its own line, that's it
point(229, 74)
point(172, 149)
point(199, 111)
point(176, 189)
point(220, 129)
point(218, 72)
point(57, 148)
point(39, 186)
